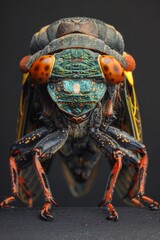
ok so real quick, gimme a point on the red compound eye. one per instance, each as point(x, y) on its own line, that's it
point(22, 64)
point(41, 69)
point(131, 64)
point(112, 69)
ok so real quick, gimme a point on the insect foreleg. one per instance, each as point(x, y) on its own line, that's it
point(112, 149)
point(153, 205)
point(128, 142)
point(50, 144)
point(18, 152)
point(16, 181)
point(118, 156)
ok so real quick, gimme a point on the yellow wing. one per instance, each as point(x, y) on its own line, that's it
point(129, 120)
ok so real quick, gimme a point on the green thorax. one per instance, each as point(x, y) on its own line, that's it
point(78, 88)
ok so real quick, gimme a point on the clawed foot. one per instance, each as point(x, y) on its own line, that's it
point(113, 216)
point(5, 203)
point(45, 213)
point(154, 206)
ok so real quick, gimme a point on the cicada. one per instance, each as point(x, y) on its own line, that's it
point(79, 99)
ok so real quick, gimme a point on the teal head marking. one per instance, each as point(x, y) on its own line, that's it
point(76, 97)
point(79, 83)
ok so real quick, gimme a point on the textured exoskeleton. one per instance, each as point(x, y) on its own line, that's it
point(79, 100)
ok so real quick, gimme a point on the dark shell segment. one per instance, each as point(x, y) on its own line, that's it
point(87, 26)
point(77, 26)
point(77, 40)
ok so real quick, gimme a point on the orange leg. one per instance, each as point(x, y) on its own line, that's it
point(7, 201)
point(14, 180)
point(131, 144)
point(118, 156)
point(133, 189)
point(142, 174)
point(140, 179)
point(20, 147)
point(153, 205)
point(44, 140)
point(14, 175)
point(45, 214)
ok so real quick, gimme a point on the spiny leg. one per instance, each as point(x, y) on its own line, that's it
point(19, 152)
point(127, 141)
point(139, 183)
point(5, 203)
point(133, 189)
point(14, 180)
point(111, 185)
point(153, 205)
point(112, 149)
point(50, 144)
point(45, 185)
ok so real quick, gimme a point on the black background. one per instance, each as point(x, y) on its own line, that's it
point(138, 21)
